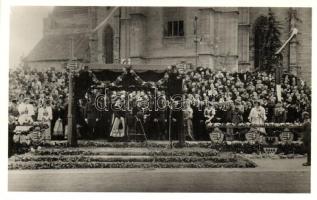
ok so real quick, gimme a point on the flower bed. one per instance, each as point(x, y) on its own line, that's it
point(162, 159)
point(178, 159)
point(145, 152)
point(72, 165)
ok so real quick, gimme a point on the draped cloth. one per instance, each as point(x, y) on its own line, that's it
point(58, 128)
point(118, 126)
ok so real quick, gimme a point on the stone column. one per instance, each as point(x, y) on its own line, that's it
point(206, 33)
point(243, 39)
point(93, 37)
point(137, 36)
point(116, 36)
point(226, 38)
point(124, 37)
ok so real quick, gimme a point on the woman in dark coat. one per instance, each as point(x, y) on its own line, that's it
point(59, 112)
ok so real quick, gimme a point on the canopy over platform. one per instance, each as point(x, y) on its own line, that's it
point(119, 67)
point(110, 72)
point(116, 76)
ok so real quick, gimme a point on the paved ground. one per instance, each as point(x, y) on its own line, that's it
point(280, 175)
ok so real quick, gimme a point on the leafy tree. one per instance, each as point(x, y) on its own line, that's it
point(267, 41)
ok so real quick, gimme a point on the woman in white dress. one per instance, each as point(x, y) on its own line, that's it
point(257, 116)
point(26, 111)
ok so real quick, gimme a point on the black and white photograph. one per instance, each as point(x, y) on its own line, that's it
point(167, 99)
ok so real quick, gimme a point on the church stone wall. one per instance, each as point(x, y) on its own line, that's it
point(70, 21)
point(304, 42)
point(164, 49)
point(44, 65)
point(144, 41)
point(225, 35)
point(101, 14)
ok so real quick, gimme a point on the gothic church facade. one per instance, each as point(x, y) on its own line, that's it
point(215, 37)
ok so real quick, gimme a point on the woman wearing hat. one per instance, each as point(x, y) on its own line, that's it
point(58, 119)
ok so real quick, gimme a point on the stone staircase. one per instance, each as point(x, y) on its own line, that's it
point(118, 155)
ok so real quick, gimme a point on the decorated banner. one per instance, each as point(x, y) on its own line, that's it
point(252, 136)
point(216, 136)
point(286, 136)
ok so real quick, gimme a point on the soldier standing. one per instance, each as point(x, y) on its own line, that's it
point(307, 137)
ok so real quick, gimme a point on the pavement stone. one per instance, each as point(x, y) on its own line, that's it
point(271, 176)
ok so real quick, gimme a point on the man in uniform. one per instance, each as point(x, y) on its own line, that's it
point(307, 137)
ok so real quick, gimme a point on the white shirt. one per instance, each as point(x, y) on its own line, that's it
point(26, 111)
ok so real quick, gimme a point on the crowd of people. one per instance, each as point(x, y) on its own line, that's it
point(245, 97)
point(38, 96)
point(210, 97)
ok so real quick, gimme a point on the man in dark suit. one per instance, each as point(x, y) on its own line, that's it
point(91, 116)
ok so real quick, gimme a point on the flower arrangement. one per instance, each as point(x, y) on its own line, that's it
point(30, 134)
point(249, 125)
